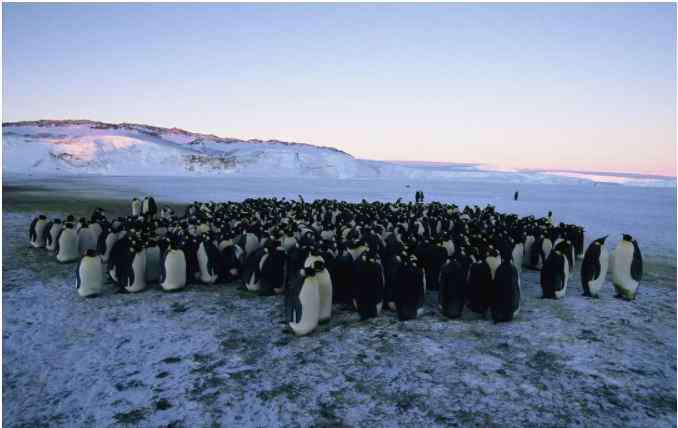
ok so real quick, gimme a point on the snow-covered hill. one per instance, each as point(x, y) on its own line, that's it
point(81, 147)
point(86, 147)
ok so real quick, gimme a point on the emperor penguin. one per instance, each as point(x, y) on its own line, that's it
point(133, 277)
point(207, 260)
point(36, 233)
point(52, 233)
point(480, 287)
point(87, 239)
point(594, 267)
point(410, 288)
point(368, 291)
point(136, 207)
point(324, 281)
point(149, 207)
point(67, 244)
point(106, 241)
point(506, 303)
point(153, 261)
point(555, 275)
point(251, 274)
point(89, 275)
point(272, 269)
point(173, 268)
point(302, 303)
point(452, 291)
point(627, 268)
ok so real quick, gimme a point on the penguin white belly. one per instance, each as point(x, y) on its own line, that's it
point(96, 230)
point(86, 240)
point(53, 232)
point(68, 247)
point(494, 263)
point(515, 313)
point(175, 270)
point(139, 268)
point(449, 247)
point(621, 270)
point(288, 242)
point(39, 240)
point(566, 274)
point(327, 235)
point(310, 308)
point(325, 293)
point(546, 247)
point(152, 264)
point(111, 239)
point(251, 243)
point(207, 276)
point(90, 279)
point(597, 284)
point(517, 255)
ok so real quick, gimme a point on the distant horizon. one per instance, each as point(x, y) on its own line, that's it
point(629, 174)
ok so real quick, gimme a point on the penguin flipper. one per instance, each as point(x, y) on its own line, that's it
point(78, 280)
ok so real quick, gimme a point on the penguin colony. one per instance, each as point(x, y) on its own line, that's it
point(368, 256)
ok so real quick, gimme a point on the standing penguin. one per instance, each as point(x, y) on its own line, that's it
point(554, 276)
point(89, 275)
point(173, 268)
point(272, 269)
point(302, 303)
point(52, 233)
point(36, 233)
point(149, 207)
point(368, 291)
point(324, 281)
point(87, 238)
point(410, 289)
point(67, 244)
point(627, 268)
point(132, 278)
point(594, 267)
point(208, 256)
point(480, 287)
point(506, 302)
point(106, 241)
point(451, 295)
point(136, 207)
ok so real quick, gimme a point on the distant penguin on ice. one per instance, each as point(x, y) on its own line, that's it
point(627, 268)
point(594, 267)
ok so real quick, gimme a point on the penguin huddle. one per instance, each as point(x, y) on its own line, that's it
point(369, 256)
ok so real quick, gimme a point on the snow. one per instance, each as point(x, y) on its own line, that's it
point(85, 147)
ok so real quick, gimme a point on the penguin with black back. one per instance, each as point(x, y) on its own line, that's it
point(506, 301)
point(368, 292)
point(594, 267)
point(409, 293)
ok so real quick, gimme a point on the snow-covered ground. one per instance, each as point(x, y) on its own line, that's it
point(216, 355)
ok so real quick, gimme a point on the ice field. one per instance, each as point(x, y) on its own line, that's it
point(217, 356)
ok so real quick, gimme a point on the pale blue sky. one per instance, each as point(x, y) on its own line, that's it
point(589, 87)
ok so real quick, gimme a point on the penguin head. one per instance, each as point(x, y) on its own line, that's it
point(601, 241)
point(90, 253)
point(68, 225)
point(42, 217)
point(628, 238)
